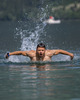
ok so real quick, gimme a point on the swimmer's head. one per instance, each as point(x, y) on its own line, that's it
point(40, 50)
point(41, 45)
point(51, 17)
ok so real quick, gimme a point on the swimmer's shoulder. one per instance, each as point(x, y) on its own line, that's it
point(48, 52)
point(32, 51)
point(51, 52)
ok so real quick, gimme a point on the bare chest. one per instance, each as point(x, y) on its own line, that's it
point(46, 58)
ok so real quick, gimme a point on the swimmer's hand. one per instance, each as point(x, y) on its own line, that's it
point(72, 56)
point(7, 56)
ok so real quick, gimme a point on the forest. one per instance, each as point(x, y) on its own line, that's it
point(15, 10)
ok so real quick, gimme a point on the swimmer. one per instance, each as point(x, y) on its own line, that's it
point(40, 54)
point(51, 20)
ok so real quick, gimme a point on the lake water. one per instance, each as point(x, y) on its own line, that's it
point(21, 79)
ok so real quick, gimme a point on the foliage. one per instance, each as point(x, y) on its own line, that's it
point(32, 9)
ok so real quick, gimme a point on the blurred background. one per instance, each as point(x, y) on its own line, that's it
point(12, 10)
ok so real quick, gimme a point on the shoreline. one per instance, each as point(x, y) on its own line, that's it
point(38, 20)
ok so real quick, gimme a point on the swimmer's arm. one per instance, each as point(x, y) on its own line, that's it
point(55, 52)
point(24, 53)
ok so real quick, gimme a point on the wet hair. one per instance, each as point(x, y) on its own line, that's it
point(41, 45)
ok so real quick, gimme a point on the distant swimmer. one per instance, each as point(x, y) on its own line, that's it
point(40, 54)
point(51, 20)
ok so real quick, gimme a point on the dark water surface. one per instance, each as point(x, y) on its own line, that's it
point(21, 79)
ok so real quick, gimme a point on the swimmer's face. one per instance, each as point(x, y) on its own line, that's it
point(40, 51)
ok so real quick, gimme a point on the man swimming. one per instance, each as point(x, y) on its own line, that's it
point(41, 54)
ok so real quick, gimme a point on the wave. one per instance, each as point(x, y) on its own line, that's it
point(36, 62)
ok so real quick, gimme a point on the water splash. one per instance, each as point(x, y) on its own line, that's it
point(30, 42)
point(30, 36)
point(29, 33)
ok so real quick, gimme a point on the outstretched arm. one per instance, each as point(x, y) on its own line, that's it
point(64, 52)
point(24, 53)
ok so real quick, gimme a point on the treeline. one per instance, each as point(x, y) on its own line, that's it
point(31, 9)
